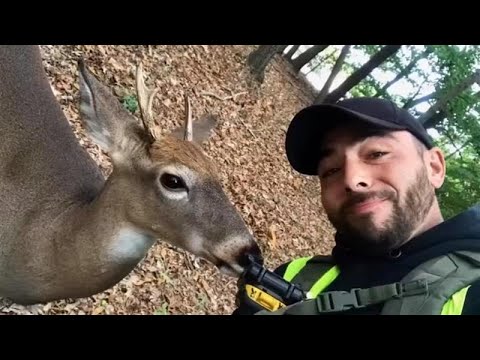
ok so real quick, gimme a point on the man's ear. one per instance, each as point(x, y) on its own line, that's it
point(436, 166)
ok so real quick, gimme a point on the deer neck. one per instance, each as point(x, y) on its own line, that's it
point(98, 247)
point(104, 223)
point(80, 251)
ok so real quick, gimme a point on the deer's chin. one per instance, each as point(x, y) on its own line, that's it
point(230, 270)
point(226, 268)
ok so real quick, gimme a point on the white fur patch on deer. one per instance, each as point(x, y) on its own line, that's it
point(130, 245)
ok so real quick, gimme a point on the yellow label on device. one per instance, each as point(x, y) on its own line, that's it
point(264, 299)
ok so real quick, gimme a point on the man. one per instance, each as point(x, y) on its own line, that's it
point(394, 253)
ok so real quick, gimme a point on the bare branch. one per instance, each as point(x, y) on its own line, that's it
point(457, 150)
point(414, 102)
point(218, 97)
point(361, 73)
point(335, 70)
point(450, 94)
point(404, 72)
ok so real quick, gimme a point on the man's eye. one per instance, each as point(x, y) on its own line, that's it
point(329, 172)
point(377, 154)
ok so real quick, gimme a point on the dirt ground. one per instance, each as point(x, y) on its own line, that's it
point(281, 207)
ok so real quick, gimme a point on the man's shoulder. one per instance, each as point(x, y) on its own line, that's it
point(315, 259)
point(471, 305)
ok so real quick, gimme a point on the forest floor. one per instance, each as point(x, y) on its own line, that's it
point(281, 207)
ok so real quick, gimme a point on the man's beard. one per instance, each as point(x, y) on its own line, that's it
point(365, 237)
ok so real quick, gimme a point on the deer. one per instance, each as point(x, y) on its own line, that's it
point(66, 230)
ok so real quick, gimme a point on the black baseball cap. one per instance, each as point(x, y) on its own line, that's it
point(304, 134)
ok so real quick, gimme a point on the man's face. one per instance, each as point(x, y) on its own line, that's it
point(378, 191)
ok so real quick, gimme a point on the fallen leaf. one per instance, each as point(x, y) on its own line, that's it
point(98, 310)
point(273, 237)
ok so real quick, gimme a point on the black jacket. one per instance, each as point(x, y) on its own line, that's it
point(459, 233)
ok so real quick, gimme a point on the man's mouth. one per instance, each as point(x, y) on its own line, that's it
point(366, 206)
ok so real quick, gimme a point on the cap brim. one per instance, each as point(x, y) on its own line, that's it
point(303, 139)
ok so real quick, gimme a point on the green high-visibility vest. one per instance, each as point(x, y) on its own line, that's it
point(438, 286)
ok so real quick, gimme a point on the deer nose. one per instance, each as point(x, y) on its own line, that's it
point(249, 255)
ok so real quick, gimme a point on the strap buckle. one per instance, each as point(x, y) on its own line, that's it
point(358, 298)
point(415, 287)
point(338, 300)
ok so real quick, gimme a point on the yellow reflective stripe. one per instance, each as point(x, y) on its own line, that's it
point(294, 267)
point(323, 282)
point(454, 306)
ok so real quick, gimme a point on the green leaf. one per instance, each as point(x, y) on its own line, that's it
point(130, 103)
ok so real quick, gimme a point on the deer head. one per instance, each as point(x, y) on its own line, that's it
point(170, 186)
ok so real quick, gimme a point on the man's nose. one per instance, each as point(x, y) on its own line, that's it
point(356, 176)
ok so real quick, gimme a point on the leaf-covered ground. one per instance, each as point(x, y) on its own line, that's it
point(281, 207)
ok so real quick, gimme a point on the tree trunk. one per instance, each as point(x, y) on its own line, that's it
point(292, 52)
point(320, 63)
point(436, 119)
point(375, 61)
point(335, 70)
point(260, 58)
point(406, 70)
point(453, 92)
point(304, 58)
point(414, 102)
point(406, 104)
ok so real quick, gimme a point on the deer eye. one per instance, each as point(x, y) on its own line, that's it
point(172, 182)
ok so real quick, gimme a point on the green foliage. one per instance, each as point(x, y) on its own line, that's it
point(364, 89)
point(462, 184)
point(163, 310)
point(460, 130)
point(130, 103)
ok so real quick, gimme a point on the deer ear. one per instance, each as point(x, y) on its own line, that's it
point(197, 131)
point(106, 121)
point(202, 129)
